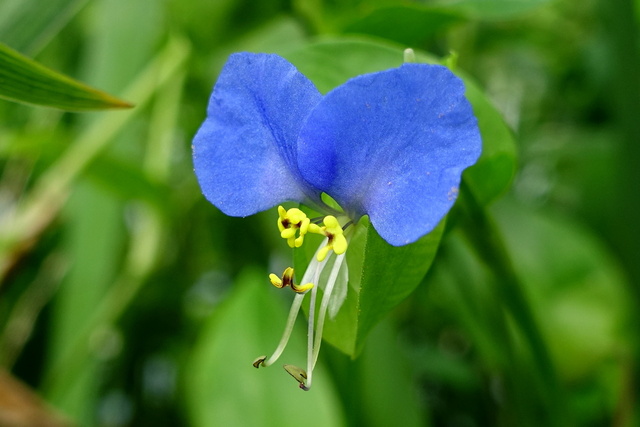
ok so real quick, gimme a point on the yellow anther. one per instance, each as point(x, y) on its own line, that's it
point(301, 288)
point(337, 242)
point(287, 280)
point(290, 222)
point(276, 281)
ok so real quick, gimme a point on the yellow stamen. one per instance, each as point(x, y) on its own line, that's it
point(287, 280)
point(292, 222)
point(337, 242)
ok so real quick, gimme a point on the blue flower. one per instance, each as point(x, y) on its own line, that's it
point(391, 145)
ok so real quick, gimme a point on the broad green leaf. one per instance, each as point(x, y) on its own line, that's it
point(389, 275)
point(24, 80)
point(221, 386)
point(410, 24)
point(380, 277)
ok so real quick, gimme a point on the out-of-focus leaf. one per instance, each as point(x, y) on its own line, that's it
point(575, 288)
point(44, 18)
point(410, 24)
point(386, 382)
point(94, 239)
point(24, 80)
point(221, 386)
point(492, 175)
point(492, 9)
point(127, 181)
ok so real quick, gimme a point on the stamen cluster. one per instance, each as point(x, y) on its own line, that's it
point(294, 225)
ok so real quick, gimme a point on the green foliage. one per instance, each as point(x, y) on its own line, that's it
point(127, 299)
point(223, 389)
point(26, 81)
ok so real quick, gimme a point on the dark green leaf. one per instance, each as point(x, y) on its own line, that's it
point(389, 275)
point(24, 80)
point(411, 24)
point(330, 63)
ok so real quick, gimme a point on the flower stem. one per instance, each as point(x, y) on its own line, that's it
point(328, 290)
point(315, 268)
point(312, 305)
point(291, 320)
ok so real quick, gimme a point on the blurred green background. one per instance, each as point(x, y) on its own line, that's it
point(128, 300)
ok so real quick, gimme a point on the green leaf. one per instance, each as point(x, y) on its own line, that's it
point(329, 63)
point(380, 277)
point(24, 80)
point(390, 274)
point(492, 175)
point(410, 24)
point(577, 291)
point(224, 389)
point(492, 9)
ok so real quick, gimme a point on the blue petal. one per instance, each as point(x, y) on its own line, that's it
point(244, 153)
point(392, 145)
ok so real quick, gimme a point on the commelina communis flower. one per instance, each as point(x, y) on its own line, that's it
point(390, 145)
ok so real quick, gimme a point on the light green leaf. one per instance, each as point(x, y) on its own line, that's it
point(24, 80)
point(222, 387)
